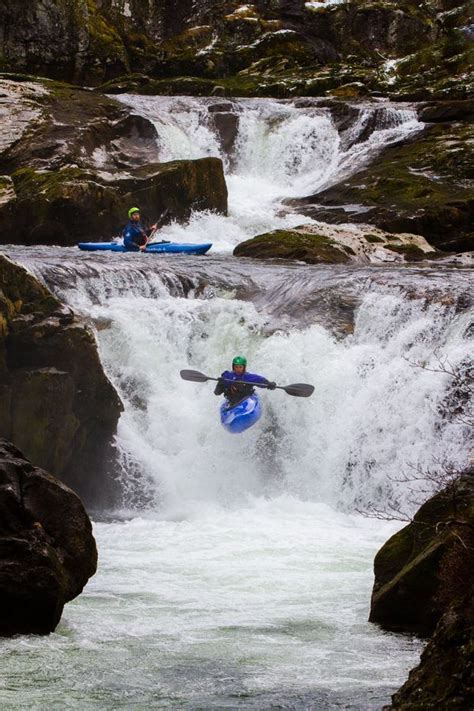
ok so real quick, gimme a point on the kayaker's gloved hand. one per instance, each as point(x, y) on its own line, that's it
point(271, 385)
point(220, 386)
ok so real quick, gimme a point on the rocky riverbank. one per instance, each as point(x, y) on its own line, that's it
point(47, 550)
point(57, 404)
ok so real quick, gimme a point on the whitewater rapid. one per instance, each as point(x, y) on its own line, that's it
point(236, 571)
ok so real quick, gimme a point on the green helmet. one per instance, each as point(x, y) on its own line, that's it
point(132, 211)
point(239, 360)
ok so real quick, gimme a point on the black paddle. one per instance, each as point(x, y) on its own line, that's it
point(159, 224)
point(297, 389)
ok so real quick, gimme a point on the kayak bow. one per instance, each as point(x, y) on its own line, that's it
point(241, 416)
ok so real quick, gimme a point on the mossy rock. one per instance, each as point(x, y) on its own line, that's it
point(22, 294)
point(61, 407)
point(411, 252)
point(38, 428)
point(72, 203)
point(410, 593)
point(440, 70)
point(443, 678)
point(289, 244)
point(423, 186)
point(351, 90)
point(106, 44)
point(91, 42)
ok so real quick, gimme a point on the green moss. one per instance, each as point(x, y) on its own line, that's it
point(289, 244)
point(410, 251)
point(105, 41)
point(189, 85)
point(30, 183)
point(373, 239)
point(442, 70)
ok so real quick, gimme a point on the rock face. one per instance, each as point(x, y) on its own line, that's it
point(74, 160)
point(444, 679)
point(424, 186)
point(328, 244)
point(47, 550)
point(57, 404)
point(424, 582)
point(269, 47)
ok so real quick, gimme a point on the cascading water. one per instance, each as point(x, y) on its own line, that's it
point(281, 151)
point(238, 573)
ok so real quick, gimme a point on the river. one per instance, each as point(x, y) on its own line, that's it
point(237, 571)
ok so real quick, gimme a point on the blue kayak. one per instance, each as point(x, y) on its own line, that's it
point(154, 248)
point(242, 416)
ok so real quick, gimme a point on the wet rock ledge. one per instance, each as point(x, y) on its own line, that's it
point(424, 584)
point(47, 550)
point(336, 244)
point(57, 404)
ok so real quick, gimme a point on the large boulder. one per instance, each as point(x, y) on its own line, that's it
point(73, 160)
point(47, 550)
point(70, 205)
point(424, 186)
point(312, 248)
point(424, 583)
point(427, 565)
point(57, 404)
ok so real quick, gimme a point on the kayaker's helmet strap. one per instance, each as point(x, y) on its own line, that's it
point(132, 211)
point(239, 360)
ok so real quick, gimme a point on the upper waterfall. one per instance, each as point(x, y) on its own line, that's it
point(281, 150)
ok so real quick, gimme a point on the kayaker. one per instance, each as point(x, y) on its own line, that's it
point(135, 236)
point(237, 391)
